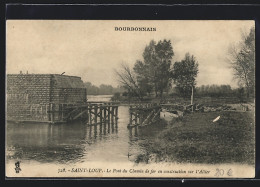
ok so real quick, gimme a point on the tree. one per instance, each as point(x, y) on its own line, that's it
point(154, 72)
point(143, 77)
point(127, 79)
point(164, 55)
point(242, 60)
point(184, 74)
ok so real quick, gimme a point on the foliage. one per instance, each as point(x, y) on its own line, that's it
point(102, 89)
point(214, 90)
point(126, 77)
point(153, 73)
point(184, 74)
point(116, 97)
point(143, 78)
point(221, 91)
point(91, 89)
point(242, 60)
point(240, 93)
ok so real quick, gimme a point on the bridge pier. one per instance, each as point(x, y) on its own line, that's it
point(92, 113)
point(143, 114)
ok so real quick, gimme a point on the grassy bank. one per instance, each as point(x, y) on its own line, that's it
point(196, 139)
point(178, 99)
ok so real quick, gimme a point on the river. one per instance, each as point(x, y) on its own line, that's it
point(77, 142)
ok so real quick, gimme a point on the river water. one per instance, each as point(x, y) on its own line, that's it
point(76, 142)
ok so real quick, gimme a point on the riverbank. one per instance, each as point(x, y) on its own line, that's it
point(196, 139)
point(205, 100)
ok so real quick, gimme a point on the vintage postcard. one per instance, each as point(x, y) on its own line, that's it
point(124, 98)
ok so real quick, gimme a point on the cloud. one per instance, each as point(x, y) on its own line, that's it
point(92, 49)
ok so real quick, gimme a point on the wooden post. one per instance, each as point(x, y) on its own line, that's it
point(109, 113)
point(100, 114)
point(116, 112)
point(112, 125)
point(95, 125)
point(112, 121)
point(130, 132)
point(90, 114)
point(105, 127)
point(95, 131)
point(105, 114)
point(109, 118)
point(136, 132)
point(87, 114)
point(105, 119)
point(131, 118)
point(112, 115)
point(95, 113)
point(116, 116)
point(116, 123)
point(156, 113)
point(100, 119)
point(135, 118)
point(147, 118)
point(141, 117)
point(90, 131)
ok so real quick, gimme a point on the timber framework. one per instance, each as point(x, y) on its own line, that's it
point(53, 98)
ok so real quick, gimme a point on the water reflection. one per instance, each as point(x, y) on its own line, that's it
point(46, 143)
point(78, 142)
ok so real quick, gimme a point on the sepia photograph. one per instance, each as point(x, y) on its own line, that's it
point(130, 98)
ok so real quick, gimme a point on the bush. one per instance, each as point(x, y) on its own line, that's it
point(116, 96)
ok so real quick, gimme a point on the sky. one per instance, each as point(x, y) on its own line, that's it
point(92, 49)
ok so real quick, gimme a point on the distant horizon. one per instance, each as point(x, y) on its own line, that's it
point(92, 49)
point(108, 84)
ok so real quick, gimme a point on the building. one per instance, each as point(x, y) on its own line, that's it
point(42, 97)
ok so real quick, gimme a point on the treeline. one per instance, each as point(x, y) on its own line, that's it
point(199, 91)
point(214, 90)
point(103, 89)
point(221, 91)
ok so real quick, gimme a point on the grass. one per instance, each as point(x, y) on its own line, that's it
point(205, 100)
point(177, 99)
point(196, 139)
